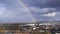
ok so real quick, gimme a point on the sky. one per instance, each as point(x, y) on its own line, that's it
point(12, 11)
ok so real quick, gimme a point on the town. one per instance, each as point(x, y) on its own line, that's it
point(29, 28)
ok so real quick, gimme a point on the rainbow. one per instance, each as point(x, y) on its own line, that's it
point(27, 9)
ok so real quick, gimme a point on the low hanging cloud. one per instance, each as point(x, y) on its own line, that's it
point(50, 14)
point(42, 10)
point(18, 15)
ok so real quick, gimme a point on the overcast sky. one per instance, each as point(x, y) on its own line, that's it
point(41, 10)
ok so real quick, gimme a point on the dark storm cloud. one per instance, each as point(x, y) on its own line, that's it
point(43, 3)
point(41, 7)
point(44, 7)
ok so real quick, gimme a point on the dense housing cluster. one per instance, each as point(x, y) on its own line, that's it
point(29, 29)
